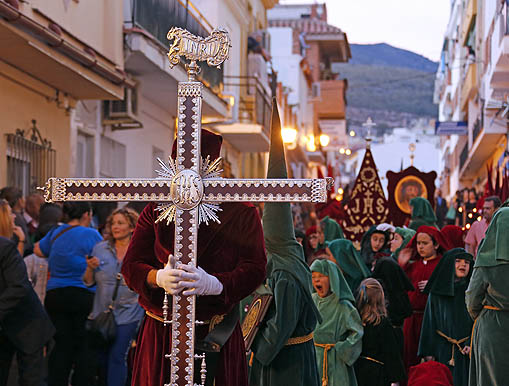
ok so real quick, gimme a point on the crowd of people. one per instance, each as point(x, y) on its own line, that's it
point(70, 275)
point(398, 309)
point(415, 296)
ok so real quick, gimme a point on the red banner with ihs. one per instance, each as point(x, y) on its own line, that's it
point(367, 205)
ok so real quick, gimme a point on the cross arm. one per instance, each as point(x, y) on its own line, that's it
point(266, 190)
point(106, 189)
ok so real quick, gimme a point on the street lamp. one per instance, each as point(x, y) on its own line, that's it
point(324, 140)
point(310, 144)
point(352, 133)
point(289, 135)
point(348, 152)
point(342, 150)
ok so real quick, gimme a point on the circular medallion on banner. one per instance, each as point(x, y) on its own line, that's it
point(407, 188)
point(186, 189)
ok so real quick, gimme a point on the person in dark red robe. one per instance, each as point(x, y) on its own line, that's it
point(418, 262)
point(231, 259)
point(430, 374)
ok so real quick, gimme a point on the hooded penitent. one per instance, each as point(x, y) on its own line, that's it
point(406, 234)
point(349, 261)
point(223, 250)
point(447, 325)
point(331, 229)
point(422, 213)
point(417, 271)
point(292, 316)
point(487, 301)
point(453, 236)
point(338, 338)
point(367, 253)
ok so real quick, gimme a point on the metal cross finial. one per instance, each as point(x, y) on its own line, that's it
point(369, 124)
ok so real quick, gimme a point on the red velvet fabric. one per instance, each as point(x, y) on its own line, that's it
point(233, 251)
point(453, 237)
point(417, 271)
point(430, 374)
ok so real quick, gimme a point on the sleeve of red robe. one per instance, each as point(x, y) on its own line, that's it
point(233, 251)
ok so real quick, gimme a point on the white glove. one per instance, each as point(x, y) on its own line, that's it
point(199, 282)
point(386, 227)
point(168, 278)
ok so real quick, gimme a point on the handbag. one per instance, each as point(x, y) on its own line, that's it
point(103, 325)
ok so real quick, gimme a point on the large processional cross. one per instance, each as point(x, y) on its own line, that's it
point(189, 190)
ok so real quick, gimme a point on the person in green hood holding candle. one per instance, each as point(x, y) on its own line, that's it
point(400, 240)
point(283, 349)
point(487, 300)
point(338, 338)
point(422, 214)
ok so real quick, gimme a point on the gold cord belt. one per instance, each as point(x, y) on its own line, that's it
point(299, 339)
point(454, 343)
point(372, 360)
point(475, 322)
point(325, 376)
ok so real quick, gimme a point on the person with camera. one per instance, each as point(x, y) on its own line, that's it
point(112, 297)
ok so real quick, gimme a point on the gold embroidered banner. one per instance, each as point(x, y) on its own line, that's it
point(367, 205)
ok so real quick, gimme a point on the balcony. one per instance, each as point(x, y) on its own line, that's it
point(487, 134)
point(146, 24)
point(33, 43)
point(157, 17)
point(469, 87)
point(499, 77)
point(249, 130)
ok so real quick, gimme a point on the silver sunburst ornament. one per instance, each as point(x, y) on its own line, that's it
point(186, 190)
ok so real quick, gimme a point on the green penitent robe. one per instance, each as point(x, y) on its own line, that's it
point(449, 315)
point(292, 313)
point(446, 317)
point(487, 300)
point(275, 363)
point(342, 327)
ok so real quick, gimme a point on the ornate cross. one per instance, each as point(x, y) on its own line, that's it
point(189, 191)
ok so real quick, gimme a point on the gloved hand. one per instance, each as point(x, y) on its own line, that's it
point(169, 277)
point(199, 282)
point(386, 227)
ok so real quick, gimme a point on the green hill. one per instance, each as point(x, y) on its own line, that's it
point(394, 89)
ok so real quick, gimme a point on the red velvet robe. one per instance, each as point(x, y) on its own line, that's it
point(233, 251)
point(416, 272)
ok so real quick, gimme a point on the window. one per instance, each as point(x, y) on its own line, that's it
point(85, 156)
point(30, 162)
point(112, 158)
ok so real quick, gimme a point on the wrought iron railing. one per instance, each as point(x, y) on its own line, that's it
point(254, 101)
point(30, 159)
point(158, 16)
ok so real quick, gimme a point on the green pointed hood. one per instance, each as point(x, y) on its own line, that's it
point(406, 234)
point(423, 212)
point(494, 249)
point(337, 281)
point(349, 261)
point(331, 229)
point(283, 251)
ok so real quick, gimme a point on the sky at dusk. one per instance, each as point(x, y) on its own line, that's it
point(414, 25)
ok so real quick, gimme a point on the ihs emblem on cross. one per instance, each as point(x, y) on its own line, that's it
point(189, 190)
